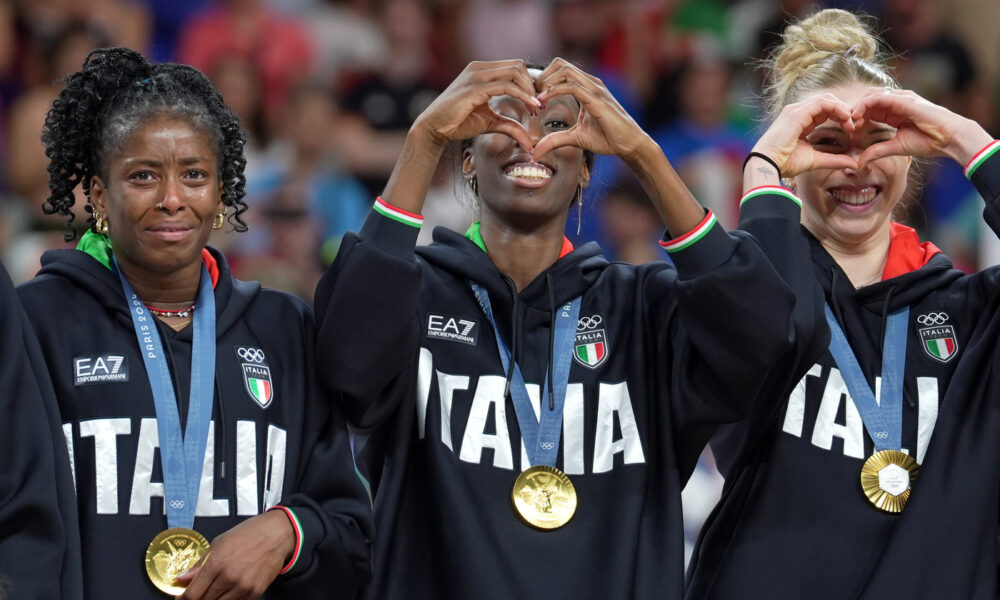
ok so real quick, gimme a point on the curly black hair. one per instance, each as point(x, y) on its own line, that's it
point(106, 101)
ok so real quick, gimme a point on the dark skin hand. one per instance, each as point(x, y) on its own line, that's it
point(243, 561)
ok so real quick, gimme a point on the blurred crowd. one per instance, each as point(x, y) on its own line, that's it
point(328, 88)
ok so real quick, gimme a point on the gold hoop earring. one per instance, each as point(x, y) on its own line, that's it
point(220, 220)
point(100, 225)
point(579, 208)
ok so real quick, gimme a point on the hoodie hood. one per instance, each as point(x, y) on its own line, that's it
point(94, 277)
point(571, 275)
point(912, 271)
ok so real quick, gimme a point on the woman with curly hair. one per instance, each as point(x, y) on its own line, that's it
point(186, 396)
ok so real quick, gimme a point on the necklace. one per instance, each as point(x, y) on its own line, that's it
point(182, 313)
point(181, 325)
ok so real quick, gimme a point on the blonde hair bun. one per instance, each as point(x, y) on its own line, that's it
point(814, 44)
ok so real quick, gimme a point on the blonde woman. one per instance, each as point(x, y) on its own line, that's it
point(842, 493)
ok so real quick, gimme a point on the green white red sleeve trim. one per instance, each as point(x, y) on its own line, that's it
point(981, 157)
point(772, 190)
point(397, 214)
point(692, 236)
point(299, 538)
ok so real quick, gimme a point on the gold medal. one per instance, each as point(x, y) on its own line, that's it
point(544, 497)
point(887, 478)
point(171, 553)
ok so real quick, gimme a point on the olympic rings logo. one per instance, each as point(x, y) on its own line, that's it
point(178, 504)
point(933, 319)
point(547, 445)
point(589, 322)
point(882, 434)
point(251, 354)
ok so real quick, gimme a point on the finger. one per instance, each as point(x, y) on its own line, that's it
point(890, 147)
point(824, 160)
point(510, 127)
point(555, 84)
point(892, 109)
point(503, 87)
point(586, 97)
point(554, 65)
point(200, 581)
point(562, 70)
point(556, 139)
point(828, 107)
point(219, 587)
point(516, 74)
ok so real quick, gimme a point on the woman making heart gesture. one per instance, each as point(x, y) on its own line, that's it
point(532, 411)
point(843, 493)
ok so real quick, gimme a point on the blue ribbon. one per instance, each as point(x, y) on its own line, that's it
point(883, 418)
point(181, 455)
point(541, 436)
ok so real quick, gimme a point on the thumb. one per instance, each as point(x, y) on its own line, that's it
point(890, 147)
point(824, 160)
point(554, 140)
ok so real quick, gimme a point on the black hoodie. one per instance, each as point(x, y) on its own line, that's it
point(283, 447)
point(793, 521)
point(39, 541)
point(404, 340)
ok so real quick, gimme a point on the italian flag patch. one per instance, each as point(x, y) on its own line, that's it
point(940, 343)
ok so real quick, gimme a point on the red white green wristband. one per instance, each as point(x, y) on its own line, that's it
point(770, 190)
point(691, 237)
point(981, 157)
point(397, 214)
point(299, 538)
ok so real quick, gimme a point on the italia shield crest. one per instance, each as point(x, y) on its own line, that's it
point(256, 375)
point(940, 343)
point(591, 347)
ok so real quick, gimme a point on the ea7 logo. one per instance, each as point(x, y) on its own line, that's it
point(451, 328)
point(106, 368)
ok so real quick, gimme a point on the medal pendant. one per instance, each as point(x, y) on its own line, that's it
point(887, 478)
point(171, 553)
point(544, 497)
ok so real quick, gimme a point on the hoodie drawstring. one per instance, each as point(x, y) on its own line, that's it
point(513, 336)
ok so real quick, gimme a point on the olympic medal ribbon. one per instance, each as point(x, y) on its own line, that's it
point(181, 454)
point(883, 417)
point(541, 436)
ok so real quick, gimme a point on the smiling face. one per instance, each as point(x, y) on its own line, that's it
point(850, 208)
point(160, 196)
point(515, 189)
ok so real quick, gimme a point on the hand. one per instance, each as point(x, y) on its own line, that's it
point(603, 127)
point(923, 128)
point(785, 140)
point(463, 111)
point(243, 561)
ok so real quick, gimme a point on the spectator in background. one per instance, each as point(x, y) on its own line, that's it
point(707, 141)
point(497, 29)
point(306, 160)
point(239, 80)
point(937, 65)
point(346, 37)
point(289, 257)
point(929, 60)
point(630, 224)
point(28, 231)
point(278, 46)
point(389, 98)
